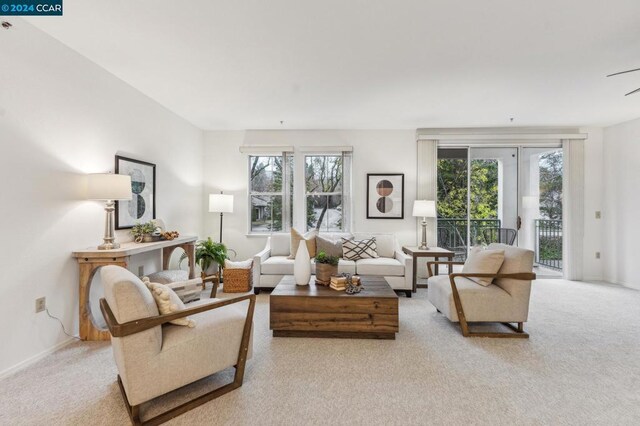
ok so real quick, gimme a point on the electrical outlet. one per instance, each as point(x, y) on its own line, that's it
point(598, 214)
point(141, 271)
point(597, 255)
point(41, 304)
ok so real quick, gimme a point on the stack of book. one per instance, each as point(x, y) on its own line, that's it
point(338, 283)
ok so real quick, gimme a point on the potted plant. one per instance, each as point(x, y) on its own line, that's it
point(144, 232)
point(209, 255)
point(326, 266)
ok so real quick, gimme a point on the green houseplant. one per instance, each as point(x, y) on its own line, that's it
point(143, 232)
point(326, 266)
point(208, 254)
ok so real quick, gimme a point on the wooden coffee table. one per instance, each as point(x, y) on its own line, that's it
point(317, 311)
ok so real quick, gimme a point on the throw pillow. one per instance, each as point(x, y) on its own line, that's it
point(483, 262)
point(168, 302)
point(331, 248)
point(245, 264)
point(363, 249)
point(309, 238)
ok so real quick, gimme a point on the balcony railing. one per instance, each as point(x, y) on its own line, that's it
point(452, 234)
point(549, 243)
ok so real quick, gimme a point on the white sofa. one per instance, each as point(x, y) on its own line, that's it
point(272, 263)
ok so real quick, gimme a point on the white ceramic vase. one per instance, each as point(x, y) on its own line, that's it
point(302, 265)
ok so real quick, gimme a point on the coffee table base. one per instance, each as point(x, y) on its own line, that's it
point(335, 334)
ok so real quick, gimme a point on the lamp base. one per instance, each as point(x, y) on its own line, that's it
point(423, 247)
point(108, 246)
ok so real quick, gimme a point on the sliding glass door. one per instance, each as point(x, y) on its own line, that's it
point(510, 195)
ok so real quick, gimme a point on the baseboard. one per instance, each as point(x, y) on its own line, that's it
point(27, 362)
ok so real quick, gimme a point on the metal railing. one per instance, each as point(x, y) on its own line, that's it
point(548, 251)
point(452, 234)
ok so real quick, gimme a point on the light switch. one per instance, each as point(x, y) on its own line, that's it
point(598, 214)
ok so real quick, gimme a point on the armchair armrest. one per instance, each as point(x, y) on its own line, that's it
point(132, 327)
point(443, 262)
point(258, 259)
point(523, 276)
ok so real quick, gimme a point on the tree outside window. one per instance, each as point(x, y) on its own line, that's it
point(271, 192)
point(324, 182)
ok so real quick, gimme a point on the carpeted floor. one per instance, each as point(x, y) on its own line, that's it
point(580, 366)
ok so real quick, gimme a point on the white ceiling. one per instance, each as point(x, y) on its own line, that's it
point(355, 64)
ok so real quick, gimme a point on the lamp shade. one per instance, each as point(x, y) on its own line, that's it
point(220, 203)
point(424, 208)
point(108, 186)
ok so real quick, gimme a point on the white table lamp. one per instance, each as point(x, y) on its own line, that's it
point(424, 209)
point(220, 203)
point(108, 187)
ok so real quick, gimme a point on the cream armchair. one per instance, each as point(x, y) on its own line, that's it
point(506, 300)
point(154, 357)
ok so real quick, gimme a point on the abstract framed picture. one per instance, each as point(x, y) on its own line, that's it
point(385, 196)
point(142, 206)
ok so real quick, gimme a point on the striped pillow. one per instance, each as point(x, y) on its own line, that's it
point(363, 249)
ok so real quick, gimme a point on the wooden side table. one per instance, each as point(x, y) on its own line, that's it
point(431, 252)
point(90, 260)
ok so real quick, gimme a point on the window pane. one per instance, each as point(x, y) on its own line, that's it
point(265, 173)
point(324, 212)
point(323, 173)
point(266, 213)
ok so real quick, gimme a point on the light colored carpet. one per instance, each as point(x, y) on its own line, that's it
point(581, 366)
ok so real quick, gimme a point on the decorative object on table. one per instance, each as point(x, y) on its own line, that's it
point(238, 276)
point(302, 265)
point(210, 256)
point(170, 235)
point(147, 232)
point(385, 196)
point(141, 207)
point(110, 188)
point(363, 249)
point(220, 203)
point(424, 209)
point(326, 266)
point(354, 285)
point(338, 283)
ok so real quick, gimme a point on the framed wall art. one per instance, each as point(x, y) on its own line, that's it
point(385, 196)
point(142, 206)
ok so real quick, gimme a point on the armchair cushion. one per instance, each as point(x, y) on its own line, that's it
point(483, 262)
point(480, 303)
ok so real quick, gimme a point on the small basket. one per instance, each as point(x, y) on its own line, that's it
point(237, 280)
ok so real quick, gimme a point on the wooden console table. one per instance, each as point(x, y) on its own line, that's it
point(90, 260)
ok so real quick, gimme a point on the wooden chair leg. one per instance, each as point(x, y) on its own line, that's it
point(464, 326)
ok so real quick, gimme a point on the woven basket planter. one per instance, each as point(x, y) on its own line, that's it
point(324, 271)
point(237, 280)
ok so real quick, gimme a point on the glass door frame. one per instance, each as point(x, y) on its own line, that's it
point(519, 189)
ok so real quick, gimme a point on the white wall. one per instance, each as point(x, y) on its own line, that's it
point(62, 116)
point(593, 193)
point(374, 151)
point(622, 203)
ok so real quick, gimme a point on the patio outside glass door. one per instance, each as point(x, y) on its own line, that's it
point(477, 197)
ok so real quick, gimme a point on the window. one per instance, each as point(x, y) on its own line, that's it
point(271, 192)
point(327, 192)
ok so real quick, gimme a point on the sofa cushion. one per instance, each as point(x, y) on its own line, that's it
point(382, 266)
point(330, 247)
point(483, 262)
point(296, 238)
point(364, 249)
point(385, 243)
point(480, 304)
point(277, 265)
point(280, 244)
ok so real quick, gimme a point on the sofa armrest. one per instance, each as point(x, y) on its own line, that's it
point(258, 259)
point(407, 261)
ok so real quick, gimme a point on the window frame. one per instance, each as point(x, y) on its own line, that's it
point(286, 191)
